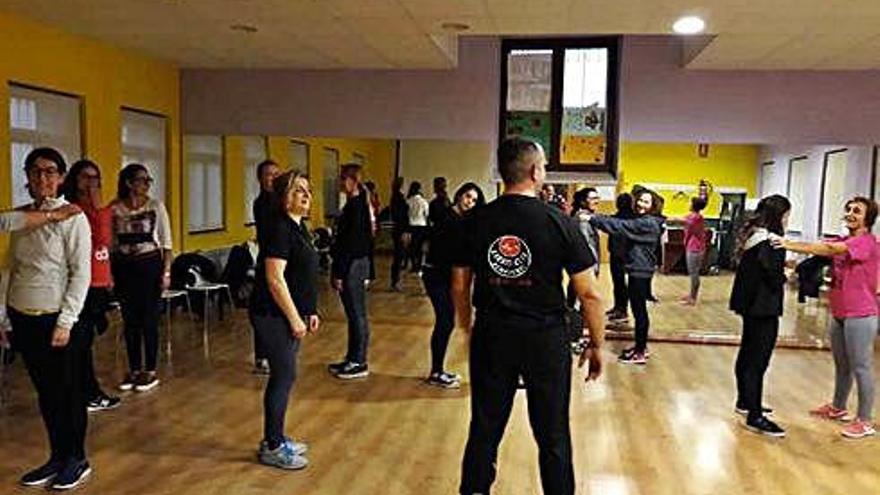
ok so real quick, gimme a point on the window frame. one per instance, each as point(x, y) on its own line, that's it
point(223, 180)
point(251, 168)
point(558, 46)
point(791, 163)
point(822, 233)
point(166, 141)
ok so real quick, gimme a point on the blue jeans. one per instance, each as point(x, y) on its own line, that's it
point(354, 300)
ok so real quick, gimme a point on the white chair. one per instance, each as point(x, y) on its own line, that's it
point(168, 297)
point(204, 287)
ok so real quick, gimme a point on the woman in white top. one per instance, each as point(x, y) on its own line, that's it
point(48, 280)
point(141, 263)
point(418, 224)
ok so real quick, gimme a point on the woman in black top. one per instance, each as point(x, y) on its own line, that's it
point(436, 274)
point(285, 311)
point(757, 297)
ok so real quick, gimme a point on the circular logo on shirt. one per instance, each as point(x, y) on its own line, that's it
point(509, 256)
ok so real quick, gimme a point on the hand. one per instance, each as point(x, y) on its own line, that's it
point(64, 212)
point(777, 241)
point(594, 356)
point(166, 281)
point(298, 328)
point(314, 323)
point(337, 284)
point(60, 336)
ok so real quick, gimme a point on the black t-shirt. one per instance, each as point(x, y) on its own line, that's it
point(443, 240)
point(292, 242)
point(265, 212)
point(517, 247)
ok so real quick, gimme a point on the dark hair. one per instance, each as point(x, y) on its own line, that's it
point(464, 188)
point(126, 175)
point(656, 200)
point(698, 204)
point(624, 204)
point(263, 165)
point(370, 185)
point(581, 196)
point(415, 187)
point(50, 154)
point(439, 182)
point(69, 188)
point(513, 165)
point(768, 216)
point(397, 184)
point(351, 171)
point(870, 209)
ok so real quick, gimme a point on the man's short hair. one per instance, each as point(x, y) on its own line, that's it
point(351, 171)
point(515, 159)
point(263, 165)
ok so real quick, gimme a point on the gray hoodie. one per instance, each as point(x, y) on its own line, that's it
point(643, 234)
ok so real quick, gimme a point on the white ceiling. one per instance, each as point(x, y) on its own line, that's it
point(393, 34)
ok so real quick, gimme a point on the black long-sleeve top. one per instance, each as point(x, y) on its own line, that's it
point(354, 235)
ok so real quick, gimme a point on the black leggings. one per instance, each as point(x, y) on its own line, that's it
point(92, 320)
point(437, 287)
point(139, 288)
point(281, 349)
point(755, 349)
point(618, 278)
point(639, 290)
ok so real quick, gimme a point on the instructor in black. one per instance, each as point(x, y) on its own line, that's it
point(515, 249)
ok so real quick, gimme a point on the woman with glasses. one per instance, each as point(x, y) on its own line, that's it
point(82, 187)
point(141, 264)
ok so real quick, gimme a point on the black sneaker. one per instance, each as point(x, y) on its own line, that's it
point(632, 356)
point(742, 411)
point(103, 403)
point(129, 381)
point(148, 380)
point(444, 380)
point(335, 368)
point(764, 426)
point(73, 475)
point(261, 367)
point(353, 370)
point(43, 474)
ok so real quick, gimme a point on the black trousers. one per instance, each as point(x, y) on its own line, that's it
point(758, 340)
point(618, 279)
point(56, 374)
point(501, 352)
point(281, 348)
point(437, 285)
point(92, 320)
point(639, 290)
point(417, 242)
point(138, 286)
point(399, 256)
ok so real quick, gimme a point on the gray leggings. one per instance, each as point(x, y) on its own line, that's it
point(852, 345)
point(694, 265)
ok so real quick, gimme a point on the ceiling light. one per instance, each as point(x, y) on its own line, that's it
point(455, 26)
point(244, 28)
point(690, 24)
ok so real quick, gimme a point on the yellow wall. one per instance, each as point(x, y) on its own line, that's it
point(106, 78)
point(379, 167)
point(459, 161)
point(732, 166)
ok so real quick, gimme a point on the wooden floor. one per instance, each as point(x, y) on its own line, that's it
point(666, 428)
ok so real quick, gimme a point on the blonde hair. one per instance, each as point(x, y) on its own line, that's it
point(283, 184)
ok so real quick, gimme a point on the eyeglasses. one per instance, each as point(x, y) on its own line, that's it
point(142, 178)
point(48, 172)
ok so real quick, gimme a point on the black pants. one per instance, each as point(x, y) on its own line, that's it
point(281, 347)
point(92, 320)
point(56, 374)
point(138, 286)
point(437, 285)
point(639, 290)
point(399, 256)
point(758, 340)
point(618, 279)
point(417, 242)
point(501, 352)
point(259, 351)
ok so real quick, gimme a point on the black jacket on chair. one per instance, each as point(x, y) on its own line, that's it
point(809, 274)
point(759, 284)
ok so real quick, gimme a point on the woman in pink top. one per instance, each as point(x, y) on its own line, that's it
point(853, 303)
point(695, 240)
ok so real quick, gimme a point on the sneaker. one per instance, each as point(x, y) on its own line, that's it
point(828, 411)
point(43, 474)
point(103, 403)
point(444, 380)
point(858, 429)
point(764, 426)
point(73, 475)
point(148, 380)
point(283, 457)
point(742, 411)
point(129, 381)
point(353, 370)
point(335, 368)
point(631, 356)
point(617, 316)
point(261, 367)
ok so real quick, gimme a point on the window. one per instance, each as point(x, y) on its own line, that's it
point(833, 192)
point(255, 151)
point(798, 177)
point(41, 118)
point(332, 201)
point(204, 164)
point(299, 156)
point(144, 141)
point(768, 178)
point(562, 94)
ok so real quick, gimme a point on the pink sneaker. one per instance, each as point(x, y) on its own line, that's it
point(828, 411)
point(858, 429)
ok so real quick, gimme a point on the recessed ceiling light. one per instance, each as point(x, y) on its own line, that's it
point(455, 26)
point(244, 28)
point(690, 24)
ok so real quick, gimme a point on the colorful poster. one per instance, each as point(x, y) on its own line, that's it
point(533, 125)
point(583, 136)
